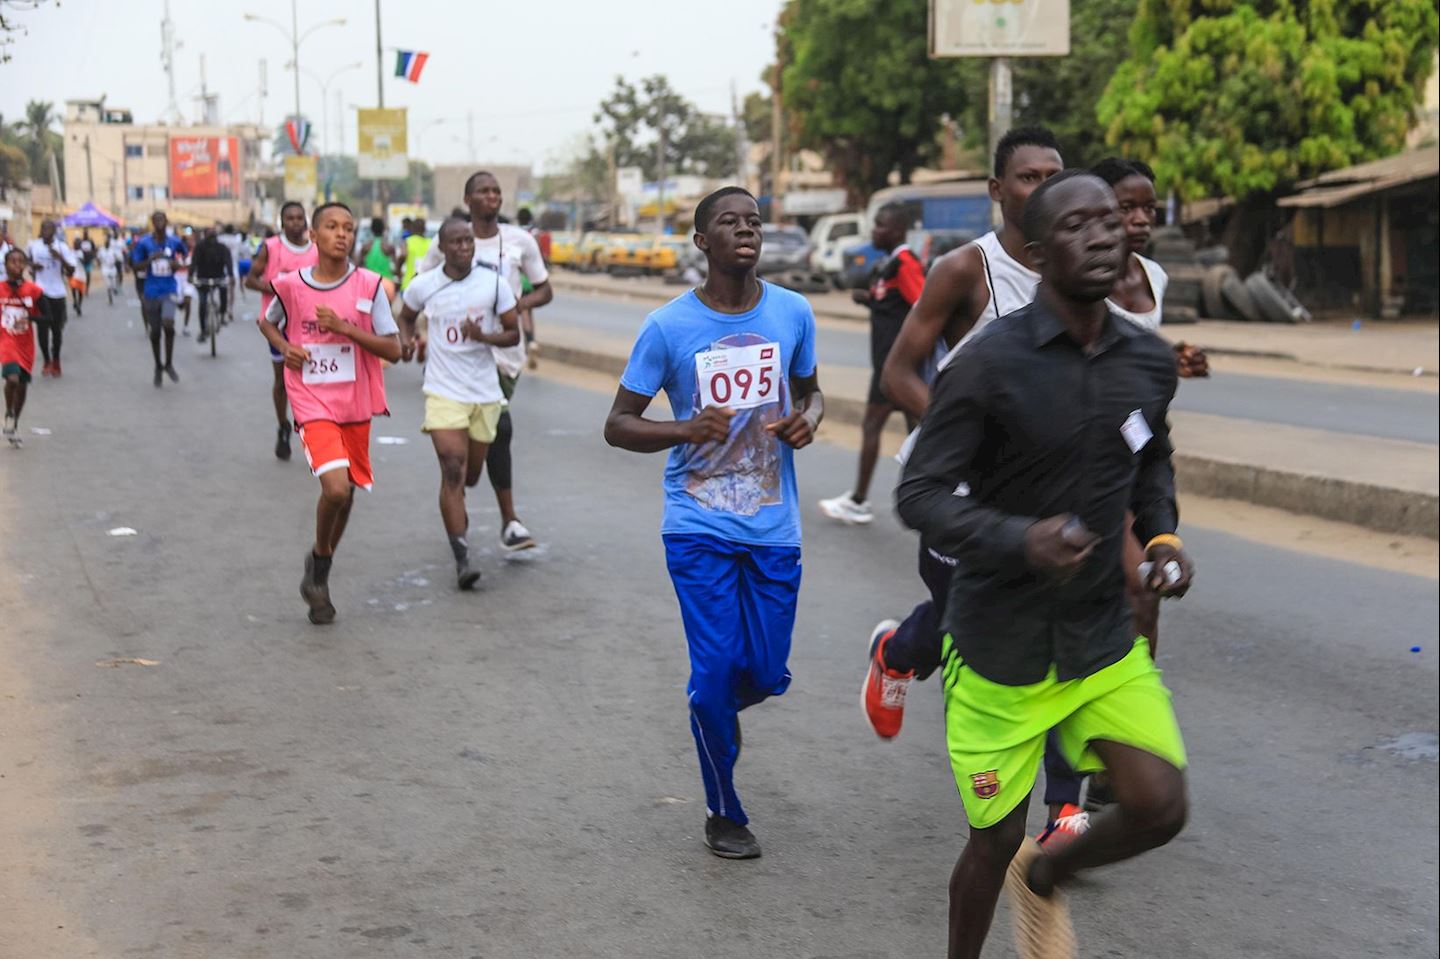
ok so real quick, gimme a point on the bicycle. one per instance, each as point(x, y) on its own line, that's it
point(214, 309)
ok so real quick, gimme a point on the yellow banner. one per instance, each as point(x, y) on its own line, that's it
point(302, 182)
point(383, 150)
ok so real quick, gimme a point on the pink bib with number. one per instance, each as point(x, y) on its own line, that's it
point(341, 383)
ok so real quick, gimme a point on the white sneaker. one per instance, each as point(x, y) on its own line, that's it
point(846, 510)
point(12, 430)
point(516, 537)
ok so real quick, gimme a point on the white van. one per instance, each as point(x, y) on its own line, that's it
point(831, 236)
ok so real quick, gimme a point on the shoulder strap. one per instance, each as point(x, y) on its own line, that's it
point(989, 280)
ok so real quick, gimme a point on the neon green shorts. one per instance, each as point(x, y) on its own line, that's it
point(996, 733)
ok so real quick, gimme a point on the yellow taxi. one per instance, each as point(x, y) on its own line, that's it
point(667, 253)
point(587, 251)
point(625, 253)
point(562, 249)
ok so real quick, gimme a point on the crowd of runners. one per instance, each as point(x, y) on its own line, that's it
point(1038, 475)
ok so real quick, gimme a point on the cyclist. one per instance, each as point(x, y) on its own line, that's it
point(214, 276)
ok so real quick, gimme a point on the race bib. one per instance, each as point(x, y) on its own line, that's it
point(329, 363)
point(741, 377)
point(161, 268)
point(15, 319)
point(1136, 431)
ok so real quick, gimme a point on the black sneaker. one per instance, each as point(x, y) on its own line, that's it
point(159, 376)
point(466, 576)
point(728, 839)
point(170, 372)
point(316, 594)
point(282, 443)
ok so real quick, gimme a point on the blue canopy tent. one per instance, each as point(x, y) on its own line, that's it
point(91, 215)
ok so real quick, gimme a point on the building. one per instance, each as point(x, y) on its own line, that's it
point(517, 184)
point(1365, 236)
point(197, 174)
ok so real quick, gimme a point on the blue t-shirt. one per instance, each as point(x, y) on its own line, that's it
point(160, 274)
point(742, 490)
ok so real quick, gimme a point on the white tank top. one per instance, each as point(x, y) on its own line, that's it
point(1010, 282)
point(1149, 321)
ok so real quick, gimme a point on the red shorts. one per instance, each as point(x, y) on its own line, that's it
point(331, 446)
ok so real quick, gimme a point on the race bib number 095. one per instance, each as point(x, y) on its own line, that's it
point(329, 363)
point(741, 377)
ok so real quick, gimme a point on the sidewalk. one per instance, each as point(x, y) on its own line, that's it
point(1387, 485)
point(1397, 348)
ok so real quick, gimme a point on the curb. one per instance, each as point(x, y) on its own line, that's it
point(1380, 508)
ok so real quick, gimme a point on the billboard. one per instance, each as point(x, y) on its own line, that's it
point(382, 153)
point(999, 28)
point(302, 182)
point(204, 168)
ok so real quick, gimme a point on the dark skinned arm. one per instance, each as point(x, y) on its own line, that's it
point(385, 347)
point(509, 334)
point(542, 293)
point(255, 279)
point(627, 428)
point(798, 429)
point(947, 307)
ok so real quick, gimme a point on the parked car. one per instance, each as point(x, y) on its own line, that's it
point(830, 237)
point(956, 205)
point(625, 254)
point(858, 262)
point(668, 254)
point(562, 249)
point(587, 252)
point(783, 249)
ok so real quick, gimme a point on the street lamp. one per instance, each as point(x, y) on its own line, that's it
point(296, 38)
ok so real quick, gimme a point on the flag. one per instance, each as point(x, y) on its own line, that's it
point(299, 132)
point(409, 63)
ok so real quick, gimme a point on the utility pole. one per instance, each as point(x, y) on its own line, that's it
point(660, 163)
point(295, 59)
point(379, 66)
point(777, 126)
point(1002, 112)
point(89, 172)
point(741, 146)
point(167, 60)
point(262, 92)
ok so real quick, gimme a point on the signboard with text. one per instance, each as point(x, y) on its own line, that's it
point(383, 150)
point(204, 168)
point(302, 182)
point(999, 28)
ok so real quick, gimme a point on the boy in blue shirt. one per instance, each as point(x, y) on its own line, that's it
point(157, 256)
point(736, 358)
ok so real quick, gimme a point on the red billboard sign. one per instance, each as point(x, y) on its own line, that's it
point(204, 168)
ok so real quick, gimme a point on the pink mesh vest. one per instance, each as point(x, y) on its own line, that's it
point(279, 260)
point(347, 401)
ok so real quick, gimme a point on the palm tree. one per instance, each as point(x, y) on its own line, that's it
point(39, 140)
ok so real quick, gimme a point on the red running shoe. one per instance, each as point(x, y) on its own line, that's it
point(1072, 822)
point(883, 695)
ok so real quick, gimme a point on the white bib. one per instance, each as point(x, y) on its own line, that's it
point(14, 319)
point(741, 377)
point(329, 363)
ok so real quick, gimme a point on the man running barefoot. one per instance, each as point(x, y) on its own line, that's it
point(337, 327)
point(894, 288)
point(158, 257)
point(290, 251)
point(20, 305)
point(736, 359)
point(516, 255)
point(470, 309)
point(1039, 635)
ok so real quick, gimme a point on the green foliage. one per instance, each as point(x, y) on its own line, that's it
point(38, 140)
point(634, 117)
point(1244, 98)
point(860, 88)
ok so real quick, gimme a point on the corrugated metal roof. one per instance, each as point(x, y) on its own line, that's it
point(1402, 167)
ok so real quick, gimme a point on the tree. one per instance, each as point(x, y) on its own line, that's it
point(1245, 97)
point(858, 86)
point(39, 141)
point(9, 25)
point(634, 119)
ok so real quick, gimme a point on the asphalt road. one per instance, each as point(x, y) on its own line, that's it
point(1343, 408)
point(510, 773)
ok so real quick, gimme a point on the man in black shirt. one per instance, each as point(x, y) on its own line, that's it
point(212, 269)
point(1049, 425)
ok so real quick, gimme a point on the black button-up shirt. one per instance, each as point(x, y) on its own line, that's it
point(1026, 424)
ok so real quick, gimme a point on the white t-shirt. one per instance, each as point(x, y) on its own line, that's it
point(110, 258)
point(48, 272)
point(456, 368)
point(382, 321)
point(1159, 280)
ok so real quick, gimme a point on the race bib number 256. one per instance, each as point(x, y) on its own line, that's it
point(741, 377)
point(329, 363)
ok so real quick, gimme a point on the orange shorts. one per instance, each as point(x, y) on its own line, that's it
point(332, 446)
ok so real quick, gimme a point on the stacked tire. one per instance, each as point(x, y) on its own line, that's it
point(1255, 299)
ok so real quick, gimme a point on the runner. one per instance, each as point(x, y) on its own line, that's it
point(417, 244)
point(186, 291)
point(469, 309)
point(20, 303)
point(378, 253)
point(895, 285)
point(1038, 632)
point(112, 259)
point(84, 252)
point(213, 270)
point(157, 257)
point(515, 253)
point(736, 359)
point(235, 243)
point(337, 327)
point(51, 260)
point(526, 221)
point(278, 255)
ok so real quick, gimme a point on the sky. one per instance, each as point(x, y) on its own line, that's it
point(531, 73)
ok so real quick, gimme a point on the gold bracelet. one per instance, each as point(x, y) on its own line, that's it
point(1165, 539)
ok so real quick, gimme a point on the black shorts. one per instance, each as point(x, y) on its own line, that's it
point(883, 334)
